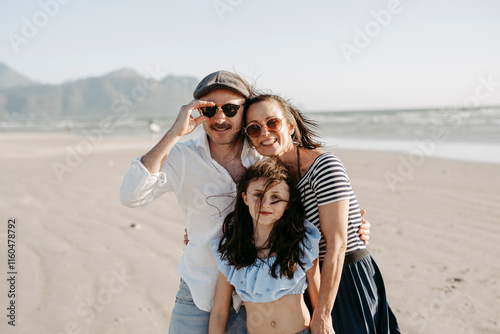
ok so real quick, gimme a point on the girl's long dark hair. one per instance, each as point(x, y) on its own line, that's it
point(306, 130)
point(237, 244)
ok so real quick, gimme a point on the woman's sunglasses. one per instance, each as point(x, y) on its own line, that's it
point(228, 109)
point(254, 130)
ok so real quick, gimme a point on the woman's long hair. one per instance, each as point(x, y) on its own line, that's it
point(237, 244)
point(306, 130)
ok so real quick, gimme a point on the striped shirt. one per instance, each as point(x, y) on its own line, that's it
point(326, 182)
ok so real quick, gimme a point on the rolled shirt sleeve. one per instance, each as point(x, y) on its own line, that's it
point(139, 187)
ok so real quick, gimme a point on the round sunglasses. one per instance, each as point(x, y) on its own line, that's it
point(273, 125)
point(228, 109)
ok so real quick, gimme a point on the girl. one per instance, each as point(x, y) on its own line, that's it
point(267, 253)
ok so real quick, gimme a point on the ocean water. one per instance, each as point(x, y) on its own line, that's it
point(463, 134)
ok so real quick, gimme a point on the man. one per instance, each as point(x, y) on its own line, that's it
point(203, 173)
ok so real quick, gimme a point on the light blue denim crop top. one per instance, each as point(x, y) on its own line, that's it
point(255, 283)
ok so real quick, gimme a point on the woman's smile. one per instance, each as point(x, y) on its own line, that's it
point(268, 142)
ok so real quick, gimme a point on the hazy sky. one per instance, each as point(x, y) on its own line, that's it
point(325, 55)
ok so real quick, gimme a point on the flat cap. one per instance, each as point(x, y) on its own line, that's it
point(222, 79)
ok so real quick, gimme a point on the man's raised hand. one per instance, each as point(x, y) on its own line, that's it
point(185, 122)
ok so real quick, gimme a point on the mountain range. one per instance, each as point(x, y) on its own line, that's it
point(93, 97)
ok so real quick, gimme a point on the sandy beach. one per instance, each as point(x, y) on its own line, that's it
point(87, 264)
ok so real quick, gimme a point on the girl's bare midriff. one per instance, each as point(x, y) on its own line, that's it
point(287, 315)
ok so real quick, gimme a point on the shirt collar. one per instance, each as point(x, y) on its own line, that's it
point(202, 142)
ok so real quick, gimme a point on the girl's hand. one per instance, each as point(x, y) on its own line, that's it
point(186, 239)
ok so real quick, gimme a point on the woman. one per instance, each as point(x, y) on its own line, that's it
point(352, 293)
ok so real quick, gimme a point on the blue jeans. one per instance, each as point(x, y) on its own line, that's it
point(188, 319)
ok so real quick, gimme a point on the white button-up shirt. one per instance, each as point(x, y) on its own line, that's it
point(205, 192)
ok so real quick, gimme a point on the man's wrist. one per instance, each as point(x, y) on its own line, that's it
point(174, 134)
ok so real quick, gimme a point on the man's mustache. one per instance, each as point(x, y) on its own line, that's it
point(222, 126)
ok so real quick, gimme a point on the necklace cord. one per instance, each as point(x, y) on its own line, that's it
point(298, 163)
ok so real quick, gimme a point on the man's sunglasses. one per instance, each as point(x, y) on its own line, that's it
point(228, 109)
point(254, 130)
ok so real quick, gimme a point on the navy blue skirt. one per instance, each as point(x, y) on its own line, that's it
point(361, 305)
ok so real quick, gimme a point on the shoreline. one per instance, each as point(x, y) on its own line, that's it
point(480, 152)
point(411, 150)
